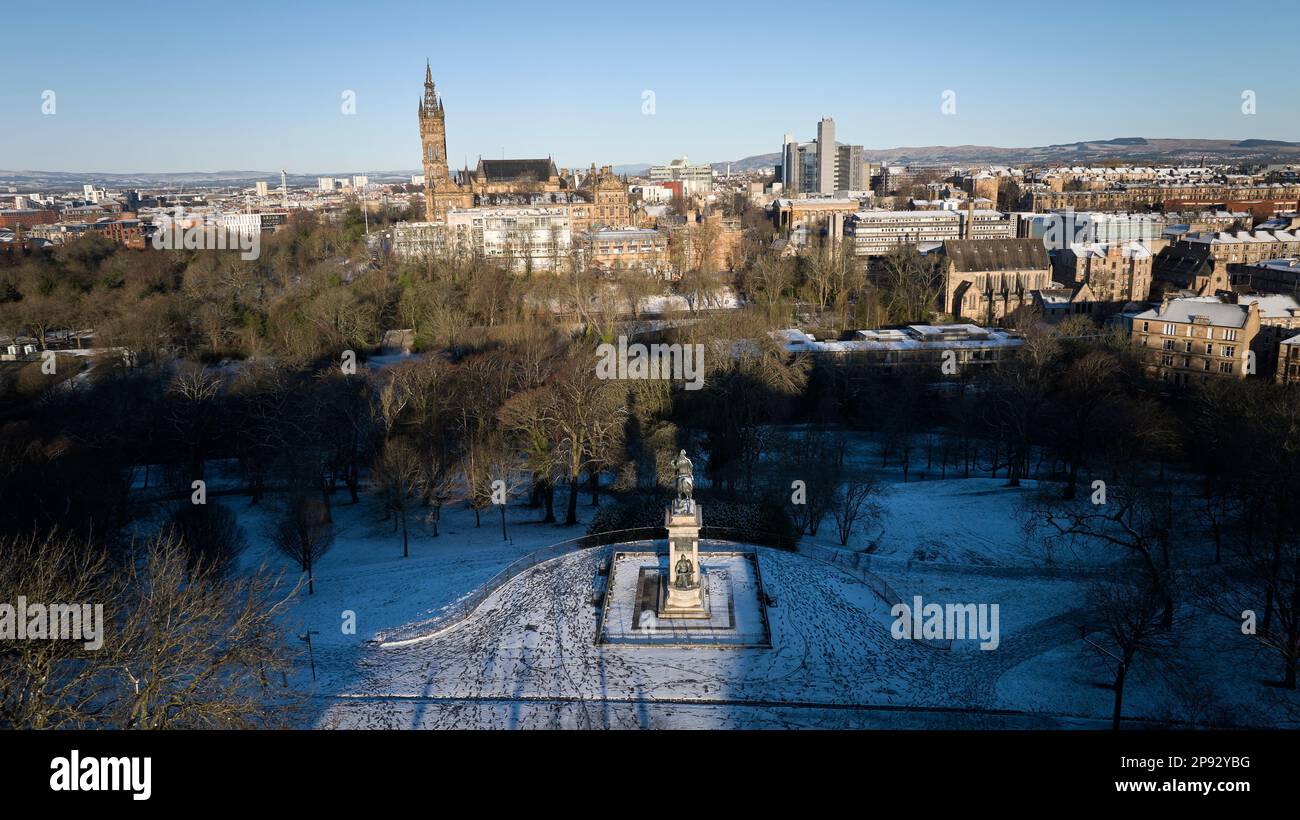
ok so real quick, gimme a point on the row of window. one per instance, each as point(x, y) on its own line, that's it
point(1223, 367)
point(1224, 350)
point(1227, 334)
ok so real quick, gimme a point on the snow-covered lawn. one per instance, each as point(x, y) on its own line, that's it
point(527, 655)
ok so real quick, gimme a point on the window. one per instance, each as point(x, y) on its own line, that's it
point(1225, 367)
point(1228, 350)
point(1209, 349)
point(1171, 328)
point(1230, 335)
point(1189, 347)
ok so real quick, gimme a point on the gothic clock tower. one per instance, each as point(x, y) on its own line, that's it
point(440, 191)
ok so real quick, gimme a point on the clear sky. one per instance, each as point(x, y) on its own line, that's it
point(146, 86)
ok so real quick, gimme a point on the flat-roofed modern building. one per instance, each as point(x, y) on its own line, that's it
point(876, 232)
point(697, 180)
point(522, 238)
point(642, 248)
point(927, 346)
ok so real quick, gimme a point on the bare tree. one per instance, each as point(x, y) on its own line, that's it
point(401, 480)
point(815, 458)
point(181, 647)
point(855, 505)
point(1138, 516)
point(1131, 623)
point(197, 650)
point(303, 533)
point(210, 534)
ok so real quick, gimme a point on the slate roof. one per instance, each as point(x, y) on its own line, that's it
point(1218, 312)
point(971, 255)
point(1273, 306)
point(508, 170)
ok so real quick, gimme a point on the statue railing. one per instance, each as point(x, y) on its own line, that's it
point(461, 609)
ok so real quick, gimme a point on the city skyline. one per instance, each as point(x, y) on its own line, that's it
point(574, 87)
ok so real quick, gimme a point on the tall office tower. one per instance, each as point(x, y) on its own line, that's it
point(790, 165)
point(826, 156)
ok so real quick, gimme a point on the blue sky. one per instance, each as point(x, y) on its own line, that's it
point(258, 85)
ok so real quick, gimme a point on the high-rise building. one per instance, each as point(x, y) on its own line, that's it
point(826, 158)
point(823, 166)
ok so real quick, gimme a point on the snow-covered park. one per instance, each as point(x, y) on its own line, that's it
point(446, 639)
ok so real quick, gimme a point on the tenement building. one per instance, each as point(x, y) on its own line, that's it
point(1115, 273)
point(1279, 319)
point(1288, 361)
point(1269, 276)
point(1259, 199)
point(1201, 262)
point(1195, 338)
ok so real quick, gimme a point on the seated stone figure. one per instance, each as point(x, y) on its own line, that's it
point(685, 572)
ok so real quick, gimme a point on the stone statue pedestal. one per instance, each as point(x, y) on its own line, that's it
point(682, 587)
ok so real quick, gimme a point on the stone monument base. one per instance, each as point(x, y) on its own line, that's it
point(683, 603)
point(630, 614)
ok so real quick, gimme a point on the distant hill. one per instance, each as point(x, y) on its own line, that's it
point(1129, 149)
point(637, 169)
point(1132, 149)
point(75, 179)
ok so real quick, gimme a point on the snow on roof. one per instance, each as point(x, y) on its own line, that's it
point(1273, 306)
point(912, 337)
point(1185, 311)
point(1228, 238)
point(1055, 296)
point(1130, 250)
point(1285, 263)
